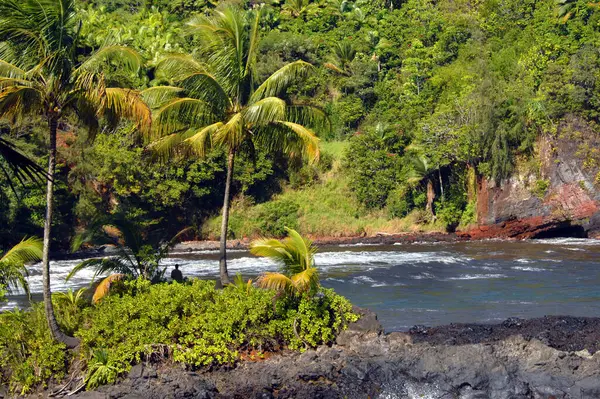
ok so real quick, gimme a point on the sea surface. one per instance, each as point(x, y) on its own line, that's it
point(422, 283)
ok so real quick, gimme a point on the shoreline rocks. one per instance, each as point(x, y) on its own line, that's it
point(367, 363)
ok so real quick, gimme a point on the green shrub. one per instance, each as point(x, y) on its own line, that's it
point(540, 188)
point(469, 215)
point(449, 213)
point(29, 356)
point(306, 175)
point(202, 326)
point(399, 203)
point(274, 216)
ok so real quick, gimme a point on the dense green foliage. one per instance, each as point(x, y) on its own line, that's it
point(465, 86)
point(29, 356)
point(192, 323)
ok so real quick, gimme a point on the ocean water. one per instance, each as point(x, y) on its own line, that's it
point(422, 283)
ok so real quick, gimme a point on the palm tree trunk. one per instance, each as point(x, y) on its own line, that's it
point(225, 220)
point(441, 183)
point(430, 198)
point(54, 329)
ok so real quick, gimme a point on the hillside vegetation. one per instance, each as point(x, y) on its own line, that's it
point(422, 97)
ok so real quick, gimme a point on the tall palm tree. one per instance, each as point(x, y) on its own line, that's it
point(219, 102)
point(295, 255)
point(139, 254)
point(40, 74)
point(12, 264)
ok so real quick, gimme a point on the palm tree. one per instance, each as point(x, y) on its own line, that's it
point(422, 171)
point(138, 254)
point(40, 74)
point(12, 264)
point(295, 255)
point(299, 8)
point(220, 103)
point(343, 54)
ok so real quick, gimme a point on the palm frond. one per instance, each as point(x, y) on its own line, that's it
point(170, 145)
point(308, 116)
point(12, 264)
point(230, 134)
point(271, 248)
point(102, 266)
point(125, 57)
point(205, 86)
point(275, 281)
point(201, 141)
point(8, 70)
point(127, 104)
point(182, 113)
point(177, 67)
point(159, 95)
point(104, 287)
point(28, 250)
point(16, 101)
point(253, 42)
point(265, 111)
point(302, 250)
point(166, 247)
point(292, 138)
point(276, 84)
point(306, 281)
point(23, 168)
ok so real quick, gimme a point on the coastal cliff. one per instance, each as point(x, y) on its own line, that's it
point(554, 194)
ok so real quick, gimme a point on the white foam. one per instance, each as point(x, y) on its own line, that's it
point(524, 261)
point(568, 241)
point(422, 276)
point(528, 269)
point(362, 280)
point(476, 277)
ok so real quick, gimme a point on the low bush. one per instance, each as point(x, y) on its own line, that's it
point(399, 203)
point(273, 216)
point(29, 357)
point(203, 327)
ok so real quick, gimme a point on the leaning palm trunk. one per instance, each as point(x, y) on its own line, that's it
point(225, 222)
point(54, 329)
point(430, 198)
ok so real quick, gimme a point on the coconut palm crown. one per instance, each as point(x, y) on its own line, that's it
point(42, 75)
point(295, 256)
point(217, 100)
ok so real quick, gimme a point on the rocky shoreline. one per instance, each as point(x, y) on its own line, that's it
point(552, 357)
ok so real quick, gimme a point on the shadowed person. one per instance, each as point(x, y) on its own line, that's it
point(176, 274)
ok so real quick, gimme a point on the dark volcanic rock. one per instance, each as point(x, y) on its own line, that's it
point(505, 361)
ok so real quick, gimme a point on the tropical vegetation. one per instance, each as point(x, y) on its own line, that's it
point(138, 253)
point(295, 254)
point(219, 100)
point(13, 272)
point(238, 119)
point(42, 77)
point(191, 323)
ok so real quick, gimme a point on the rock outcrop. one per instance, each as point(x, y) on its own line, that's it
point(554, 195)
point(366, 363)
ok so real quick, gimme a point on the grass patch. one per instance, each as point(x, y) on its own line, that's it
point(327, 208)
